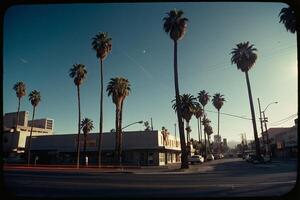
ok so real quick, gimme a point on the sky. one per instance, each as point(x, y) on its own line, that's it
point(42, 42)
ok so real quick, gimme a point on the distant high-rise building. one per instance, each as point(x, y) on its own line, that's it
point(15, 139)
point(10, 119)
point(42, 123)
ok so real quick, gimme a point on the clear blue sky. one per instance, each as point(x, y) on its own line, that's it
point(42, 42)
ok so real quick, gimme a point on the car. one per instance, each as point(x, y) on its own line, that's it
point(239, 155)
point(253, 158)
point(218, 156)
point(210, 157)
point(266, 158)
point(196, 159)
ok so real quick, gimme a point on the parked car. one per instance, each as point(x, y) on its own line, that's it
point(266, 158)
point(239, 155)
point(218, 156)
point(196, 159)
point(253, 158)
point(210, 157)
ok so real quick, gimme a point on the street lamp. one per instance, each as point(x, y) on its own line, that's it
point(265, 120)
point(139, 122)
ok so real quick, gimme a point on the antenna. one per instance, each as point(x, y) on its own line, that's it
point(151, 124)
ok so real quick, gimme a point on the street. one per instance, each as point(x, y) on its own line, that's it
point(219, 178)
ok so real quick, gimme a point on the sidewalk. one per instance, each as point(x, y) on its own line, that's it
point(167, 169)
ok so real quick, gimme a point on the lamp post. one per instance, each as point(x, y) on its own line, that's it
point(265, 120)
point(139, 122)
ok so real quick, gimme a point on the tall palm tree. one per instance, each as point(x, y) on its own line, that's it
point(20, 89)
point(208, 130)
point(244, 57)
point(218, 101)
point(79, 73)
point(35, 99)
point(86, 126)
point(288, 18)
point(187, 106)
point(102, 45)
point(175, 25)
point(118, 88)
point(203, 98)
point(198, 112)
point(205, 123)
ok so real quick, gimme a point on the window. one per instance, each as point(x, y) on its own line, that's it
point(161, 158)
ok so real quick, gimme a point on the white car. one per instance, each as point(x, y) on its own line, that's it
point(196, 159)
point(210, 157)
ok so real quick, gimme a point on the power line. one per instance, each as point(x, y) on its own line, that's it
point(232, 115)
point(284, 120)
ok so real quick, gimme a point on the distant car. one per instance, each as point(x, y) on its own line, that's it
point(210, 157)
point(218, 156)
point(196, 159)
point(252, 158)
point(239, 155)
point(266, 158)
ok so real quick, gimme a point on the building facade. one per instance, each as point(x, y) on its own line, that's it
point(14, 140)
point(138, 148)
point(283, 141)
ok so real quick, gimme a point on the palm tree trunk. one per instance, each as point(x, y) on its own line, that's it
point(200, 133)
point(187, 133)
point(120, 134)
point(219, 131)
point(30, 136)
point(78, 134)
point(17, 121)
point(101, 114)
point(184, 156)
point(253, 116)
point(84, 145)
point(117, 135)
point(198, 130)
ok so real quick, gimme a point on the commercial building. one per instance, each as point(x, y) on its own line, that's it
point(138, 148)
point(14, 139)
point(283, 141)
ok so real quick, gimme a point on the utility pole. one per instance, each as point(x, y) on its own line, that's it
point(261, 123)
point(268, 143)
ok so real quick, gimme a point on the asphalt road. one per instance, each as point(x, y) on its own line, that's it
point(220, 178)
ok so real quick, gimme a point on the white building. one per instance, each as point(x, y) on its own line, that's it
point(14, 139)
point(139, 148)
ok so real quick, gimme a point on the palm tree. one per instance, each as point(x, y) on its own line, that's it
point(244, 57)
point(118, 88)
point(175, 25)
point(198, 112)
point(288, 18)
point(165, 134)
point(203, 98)
point(187, 106)
point(102, 45)
point(20, 89)
point(78, 72)
point(208, 130)
point(218, 101)
point(205, 123)
point(34, 98)
point(86, 126)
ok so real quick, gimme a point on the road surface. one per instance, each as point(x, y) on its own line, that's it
point(219, 178)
